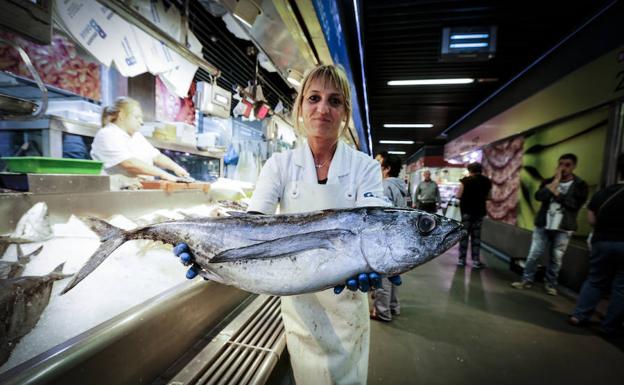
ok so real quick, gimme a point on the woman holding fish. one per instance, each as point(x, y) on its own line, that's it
point(124, 150)
point(327, 334)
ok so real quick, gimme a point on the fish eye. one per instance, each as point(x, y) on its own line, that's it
point(426, 224)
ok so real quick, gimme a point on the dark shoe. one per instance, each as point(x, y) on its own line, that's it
point(477, 265)
point(375, 317)
point(395, 313)
point(461, 262)
point(572, 320)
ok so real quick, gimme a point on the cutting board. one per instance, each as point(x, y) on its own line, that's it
point(174, 186)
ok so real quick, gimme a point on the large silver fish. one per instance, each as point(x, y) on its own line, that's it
point(294, 253)
point(22, 300)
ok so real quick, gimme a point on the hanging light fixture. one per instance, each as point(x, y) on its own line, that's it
point(294, 77)
point(246, 11)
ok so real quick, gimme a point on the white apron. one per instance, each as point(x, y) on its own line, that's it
point(327, 334)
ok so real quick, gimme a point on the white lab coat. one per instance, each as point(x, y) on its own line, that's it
point(112, 145)
point(327, 334)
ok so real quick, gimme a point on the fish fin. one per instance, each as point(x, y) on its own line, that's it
point(24, 259)
point(112, 237)
point(323, 239)
point(57, 273)
point(102, 228)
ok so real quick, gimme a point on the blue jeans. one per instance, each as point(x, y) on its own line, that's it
point(542, 238)
point(606, 261)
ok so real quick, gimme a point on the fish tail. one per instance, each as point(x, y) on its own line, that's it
point(111, 237)
point(24, 259)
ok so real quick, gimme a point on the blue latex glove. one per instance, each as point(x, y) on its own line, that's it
point(365, 282)
point(186, 257)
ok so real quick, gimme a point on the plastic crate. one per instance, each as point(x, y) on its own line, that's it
point(43, 165)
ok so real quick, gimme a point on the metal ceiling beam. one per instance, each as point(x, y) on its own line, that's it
point(131, 15)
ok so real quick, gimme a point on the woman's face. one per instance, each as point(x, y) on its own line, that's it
point(323, 110)
point(131, 119)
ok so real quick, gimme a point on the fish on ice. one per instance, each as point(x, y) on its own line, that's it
point(22, 300)
point(15, 269)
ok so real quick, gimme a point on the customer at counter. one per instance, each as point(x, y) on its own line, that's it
point(327, 334)
point(124, 150)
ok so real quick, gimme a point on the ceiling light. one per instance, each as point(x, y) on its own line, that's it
point(396, 141)
point(414, 125)
point(468, 45)
point(470, 36)
point(294, 77)
point(428, 82)
point(247, 11)
point(397, 152)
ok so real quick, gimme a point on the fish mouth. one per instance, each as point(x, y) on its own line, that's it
point(453, 236)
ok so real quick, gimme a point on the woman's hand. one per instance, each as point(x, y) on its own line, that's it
point(168, 177)
point(186, 257)
point(181, 172)
point(365, 282)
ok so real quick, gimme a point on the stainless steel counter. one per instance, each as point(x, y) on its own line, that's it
point(100, 204)
point(53, 127)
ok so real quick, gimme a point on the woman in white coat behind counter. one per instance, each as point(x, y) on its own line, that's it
point(327, 333)
point(124, 150)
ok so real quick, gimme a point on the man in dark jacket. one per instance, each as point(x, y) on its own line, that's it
point(562, 197)
point(474, 190)
point(607, 258)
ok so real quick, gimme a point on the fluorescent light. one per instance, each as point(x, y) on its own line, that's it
point(294, 77)
point(468, 45)
point(415, 125)
point(397, 152)
point(243, 21)
point(470, 36)
point(426, 82)
point(396, 141)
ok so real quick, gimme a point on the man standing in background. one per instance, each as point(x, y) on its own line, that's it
point(562, 197)
point(427, 194)
point(473, 192)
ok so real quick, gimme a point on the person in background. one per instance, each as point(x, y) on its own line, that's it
point(473, 192)
point(427, 194)
point(381, 155)
point(124, 150)
point(562, 197)
point(327, 333)
point(386, 298)
point(607, 258)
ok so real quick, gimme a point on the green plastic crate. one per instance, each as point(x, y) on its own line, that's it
point(43, 165)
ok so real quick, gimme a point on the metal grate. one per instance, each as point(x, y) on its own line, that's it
point(245, 352)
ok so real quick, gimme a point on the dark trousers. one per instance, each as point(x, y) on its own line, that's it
point(472, 224)
point(606, 268)
point(429, 207)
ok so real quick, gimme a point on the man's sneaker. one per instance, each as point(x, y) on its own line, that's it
point(461, 262)
point(477, 265)
point(522, 285)
point(550, 290)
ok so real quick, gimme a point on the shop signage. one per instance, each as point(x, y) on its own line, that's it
point(592, 85)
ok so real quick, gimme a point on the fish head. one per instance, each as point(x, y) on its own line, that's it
point(402, 239)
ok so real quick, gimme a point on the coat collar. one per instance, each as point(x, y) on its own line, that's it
point(340, 165)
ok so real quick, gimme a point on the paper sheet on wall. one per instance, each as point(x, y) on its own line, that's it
point(87, 21)
point(179, 79)
point(158, 56)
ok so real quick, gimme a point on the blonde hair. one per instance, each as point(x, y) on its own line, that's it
point(111, 113)
point(328, 73)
